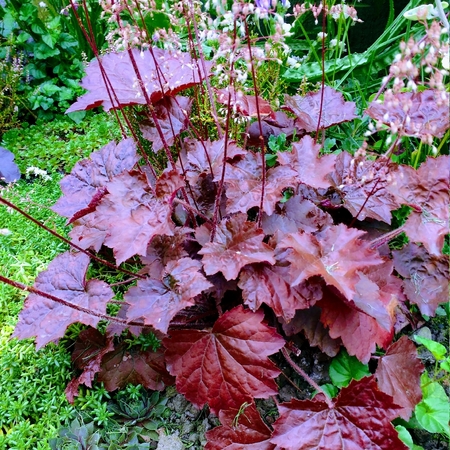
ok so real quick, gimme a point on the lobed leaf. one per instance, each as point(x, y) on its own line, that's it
point(426, 190)
point(64, 278)
point(304, 159)
point(359, 419)
point(413, 113)
point(425, 277)
point(158, 301)
point(398, 374)
point(244, 184)
point(126, 219)
point(172, 114)
point(228, 365)
point(242, 430)
point(237, 243)
point(308, 109)
point(178, 71)
point(84, 188)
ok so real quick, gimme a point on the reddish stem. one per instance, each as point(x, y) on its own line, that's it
point(54, 233)
point(261, 136)
point(301, 372)
point(63, 302)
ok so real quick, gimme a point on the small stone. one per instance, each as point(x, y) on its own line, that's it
point(171, 442)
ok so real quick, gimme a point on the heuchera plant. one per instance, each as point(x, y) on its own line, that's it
point(230, 259)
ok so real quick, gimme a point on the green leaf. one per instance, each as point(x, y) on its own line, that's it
point(404, 436)
point(431, 389)
point(445, 365)
point(50, 40)
point(437, 350)
point(22, 38)
point(345, 368)
point(433, 415)
point(43, 51)
point(329, 389)
point(7, 24)
point(35, 28)
point(271, 160)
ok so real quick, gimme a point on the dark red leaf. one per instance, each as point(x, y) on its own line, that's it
point(307, 109)
point(172, 115)
point(398, 374)
point(227, 365)
point(308, 322)
point(157, 301)
point(304, 159)
point(427, 191)
point(263, 284)
point(126, 219)
point(335, 254)
point(244, 184)
point(244, 430)
point(244, 104)
point(237, 243)
point(87, 355)
point(297, 214)
point(413, 113)
point(179, 72)
point(85, 186)
point(131, 366)
point(425, 277)
point(359, 420)
point(65, 278)
point(9, 171)
point(360, 181)
point(360, 333)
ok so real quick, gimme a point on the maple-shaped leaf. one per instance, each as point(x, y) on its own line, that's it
point(243, 430)
point(127, 218)
point(398, 374)
point(158, 301)
point(237, 243)
point(245, 104)
point(172, 115)
point(228, 365)
point(413, 113)
point(87, 355)
point(426, 190)
point(304, 159)
point(362, 182)
point(297, 214)
point(178, 72)
point(425, 277)
point(264, 284)
point(9, 171)
point(244, 184)
point(85, 186)
point(359, 419)
point(335, 254)
point(308, 322)
point(360, 333)
point(206, 157)
point(64, 278)
point(124, 366)
point(335, 109)
point(163, 249)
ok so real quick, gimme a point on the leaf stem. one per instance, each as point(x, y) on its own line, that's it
point(301, 372)
point(63, 302)
point(62, 238)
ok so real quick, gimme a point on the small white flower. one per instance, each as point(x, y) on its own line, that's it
point(5, 232)
point(43, 4)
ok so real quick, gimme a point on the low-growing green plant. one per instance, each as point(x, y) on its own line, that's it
point(57, 145)
point(45, 37)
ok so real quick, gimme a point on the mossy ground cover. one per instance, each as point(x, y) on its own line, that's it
point(33, 405)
